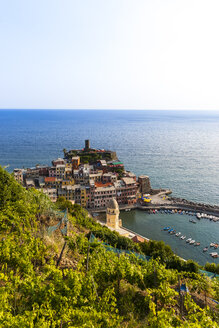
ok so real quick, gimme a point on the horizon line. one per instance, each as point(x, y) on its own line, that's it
point(113, 109)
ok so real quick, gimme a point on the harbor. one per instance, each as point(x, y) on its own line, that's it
point(152, 226)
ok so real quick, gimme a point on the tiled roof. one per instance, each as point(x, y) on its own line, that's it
point(50, 179)
point(100, 184)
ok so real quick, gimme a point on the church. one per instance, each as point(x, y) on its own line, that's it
point(112, 215)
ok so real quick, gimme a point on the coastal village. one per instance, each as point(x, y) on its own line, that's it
point(89, 177)
point(93, 177)
point(99, 182)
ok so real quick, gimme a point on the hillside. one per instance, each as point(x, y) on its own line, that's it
point(90, 286)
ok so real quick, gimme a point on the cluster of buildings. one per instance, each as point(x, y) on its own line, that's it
point(86, 179)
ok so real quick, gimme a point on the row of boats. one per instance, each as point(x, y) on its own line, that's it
point(192, 241)
point(207, 216)
point(198, 215)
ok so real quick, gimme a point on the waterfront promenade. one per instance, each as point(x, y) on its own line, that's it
point(123, 231)
point(162, 201)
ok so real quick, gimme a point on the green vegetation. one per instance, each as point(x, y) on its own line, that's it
point(89, 156)
point(91, 287)
point(212, 267)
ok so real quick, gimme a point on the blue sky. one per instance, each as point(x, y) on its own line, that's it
point(109, 54)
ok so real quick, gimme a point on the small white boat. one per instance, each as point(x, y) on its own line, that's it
point(205, 249)
point(183, 237)
point(192, 242)
point(178, 233)
point(212, 244)
point(214, 254)
point(188, 240)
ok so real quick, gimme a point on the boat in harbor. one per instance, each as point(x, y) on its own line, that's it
point(197, 243)
point(166, 228)
point(192, 242)
point(214, 254)
point(178, 234)
point(170, 230)
point(205, 249)
point(173, 232)
point(212, 244)
point(193, 221)
point(183, 237)
point(188, 240)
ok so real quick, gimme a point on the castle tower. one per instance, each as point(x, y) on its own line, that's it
point(87, 144)
point(144, 184)
point(112, 214)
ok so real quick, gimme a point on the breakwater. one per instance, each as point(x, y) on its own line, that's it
point(174, 205)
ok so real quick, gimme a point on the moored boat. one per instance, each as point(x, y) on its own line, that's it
point(183, 237)
point(197, 243)
point(205, 249)
point(192, 242)
point(214, 254)
point(188, 240)
point(166, 228)
point(193, 221)
point(178, 233)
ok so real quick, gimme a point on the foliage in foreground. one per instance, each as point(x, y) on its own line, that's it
point(155, 249)
point(103, 290)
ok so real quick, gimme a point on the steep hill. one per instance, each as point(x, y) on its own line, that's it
point(88, 285)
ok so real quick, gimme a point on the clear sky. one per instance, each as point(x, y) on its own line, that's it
point(112, 54)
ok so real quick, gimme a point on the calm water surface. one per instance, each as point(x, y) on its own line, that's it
point(177, 149)
point(151, 225)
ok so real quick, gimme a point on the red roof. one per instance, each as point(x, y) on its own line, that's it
point(100, 184)
point(138, 239)
point(50, 179)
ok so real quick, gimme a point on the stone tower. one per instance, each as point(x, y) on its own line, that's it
point(144, 184)
point(87, 144)
point(112, 214)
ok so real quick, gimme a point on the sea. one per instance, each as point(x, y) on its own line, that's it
point(178, 150)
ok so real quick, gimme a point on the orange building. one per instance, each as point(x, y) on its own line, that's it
point(75, 162)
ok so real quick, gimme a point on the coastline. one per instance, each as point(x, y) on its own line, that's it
point(171, 204)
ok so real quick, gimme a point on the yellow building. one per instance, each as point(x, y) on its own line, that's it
point(83, 197)
point(112, 215)
point(68, 182)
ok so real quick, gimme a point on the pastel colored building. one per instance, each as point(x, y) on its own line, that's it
point(102, 195)
point(112, 214)
point(75, 162)
point(126, 190)
point(50, 182)
point(51, 193)
point(18, 175)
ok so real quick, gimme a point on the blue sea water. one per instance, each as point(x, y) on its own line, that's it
point(177, 149)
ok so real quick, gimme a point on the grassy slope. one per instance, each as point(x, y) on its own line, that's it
point(108, 291)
